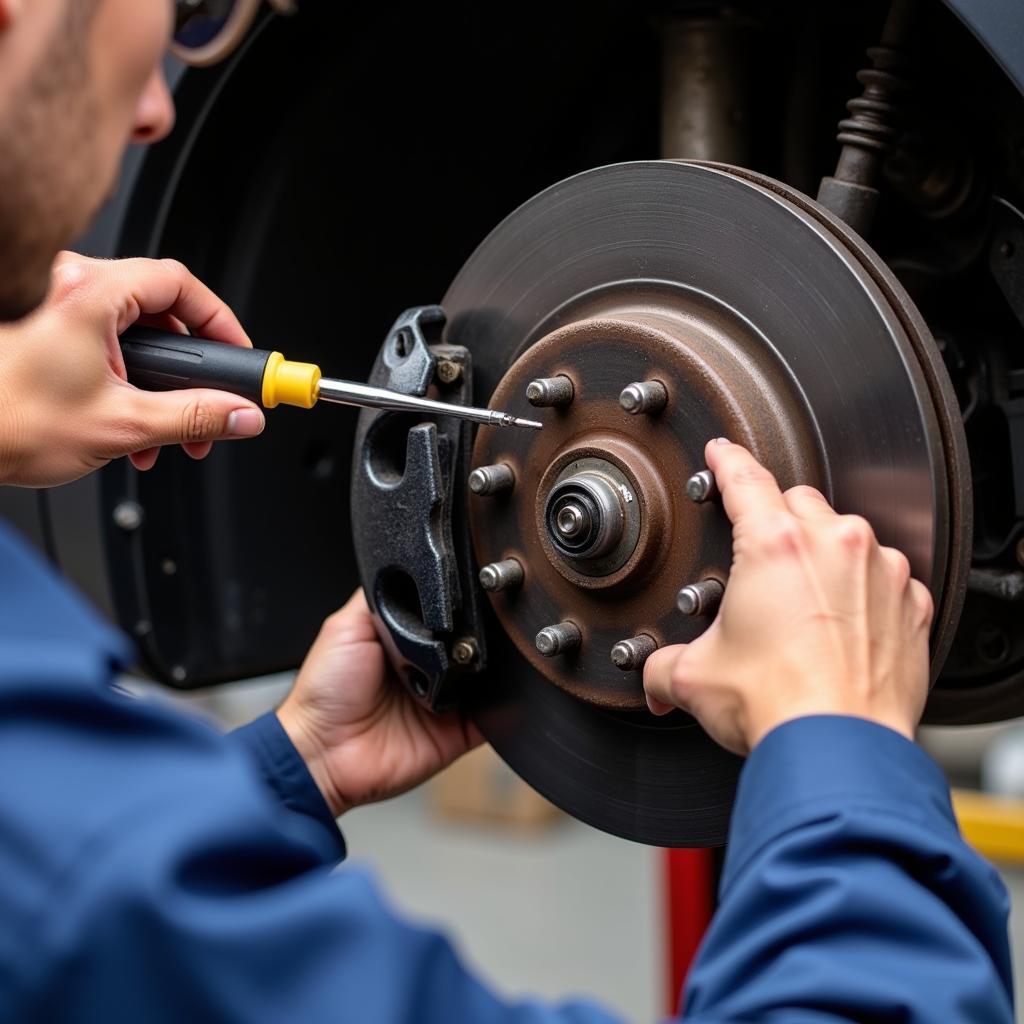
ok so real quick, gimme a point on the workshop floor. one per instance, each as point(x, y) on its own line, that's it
point(552, 913)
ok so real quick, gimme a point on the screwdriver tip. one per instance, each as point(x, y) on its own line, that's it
point(506, 419)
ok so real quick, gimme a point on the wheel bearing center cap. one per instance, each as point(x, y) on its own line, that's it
point(592, 517)
point(572, 520)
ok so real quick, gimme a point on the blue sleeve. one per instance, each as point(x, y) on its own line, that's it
point(848, 893)
point(150, 871)
point(286, 776)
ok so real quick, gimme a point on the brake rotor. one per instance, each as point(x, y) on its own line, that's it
point(763, 321)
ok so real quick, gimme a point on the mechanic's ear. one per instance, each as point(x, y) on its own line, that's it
point(154, 115)
point(9, 10)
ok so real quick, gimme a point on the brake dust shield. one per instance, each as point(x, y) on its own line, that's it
point(766, 322)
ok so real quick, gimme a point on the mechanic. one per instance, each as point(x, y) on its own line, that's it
point(153, 870)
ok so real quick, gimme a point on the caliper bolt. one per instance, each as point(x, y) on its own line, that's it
point(648, 396)
point(630, 655)
point(448, 371)
point(700, 598)
point(504, 575)
point(701, 486)
point(558, 639)
point(488, 481)
point(547, 391)
point(465, 651)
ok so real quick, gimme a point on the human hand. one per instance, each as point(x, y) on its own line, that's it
point(360, 733)
point(817, 618)
point(65, 405)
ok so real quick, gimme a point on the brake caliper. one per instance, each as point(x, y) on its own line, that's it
point(408, 513)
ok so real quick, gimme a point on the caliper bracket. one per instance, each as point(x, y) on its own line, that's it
point(409, 514)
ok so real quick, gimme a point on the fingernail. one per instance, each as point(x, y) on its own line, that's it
point(245, 423)
point(655, 706)
point(722, 440)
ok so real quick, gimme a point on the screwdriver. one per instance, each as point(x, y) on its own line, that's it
point(163, 361)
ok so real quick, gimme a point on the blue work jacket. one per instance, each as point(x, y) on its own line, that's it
point(153, 870)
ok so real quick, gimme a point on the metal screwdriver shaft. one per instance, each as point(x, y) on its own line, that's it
point(366, 396)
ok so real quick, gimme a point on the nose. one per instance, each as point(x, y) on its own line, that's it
point(154, 115)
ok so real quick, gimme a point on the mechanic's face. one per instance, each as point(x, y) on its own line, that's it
point(79, 79)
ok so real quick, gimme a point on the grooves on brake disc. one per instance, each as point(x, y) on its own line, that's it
point(762, 320)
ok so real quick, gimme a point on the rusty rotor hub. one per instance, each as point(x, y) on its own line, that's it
point(647, 308)
point(598, 515)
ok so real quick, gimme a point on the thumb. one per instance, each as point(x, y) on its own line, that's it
point(673, 675)
point(659, 672)
point(194, 416)
point(350, 624)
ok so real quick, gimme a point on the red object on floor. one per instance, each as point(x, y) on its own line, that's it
point(690, 888)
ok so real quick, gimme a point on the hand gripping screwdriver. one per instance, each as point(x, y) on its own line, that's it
point(163, 361)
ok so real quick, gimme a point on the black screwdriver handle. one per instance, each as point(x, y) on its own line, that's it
point(163, 361)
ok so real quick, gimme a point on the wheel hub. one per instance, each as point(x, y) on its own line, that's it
point(631, 536)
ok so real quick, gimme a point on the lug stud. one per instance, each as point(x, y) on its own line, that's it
point(489, 481)
point(701, 486)
point(630, 655)
point(558, 639)
point(505, 575)
point(647, 396)
point(550, 391)
point(700, 598)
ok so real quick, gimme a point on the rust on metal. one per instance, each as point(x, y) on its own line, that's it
point(720, 381)
point(769, 322)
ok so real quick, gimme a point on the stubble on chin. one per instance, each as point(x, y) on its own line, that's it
point(50, 173)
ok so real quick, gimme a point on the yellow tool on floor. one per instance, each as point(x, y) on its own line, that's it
point(993, 825)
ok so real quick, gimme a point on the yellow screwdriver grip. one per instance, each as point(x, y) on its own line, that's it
point(288, 383)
